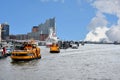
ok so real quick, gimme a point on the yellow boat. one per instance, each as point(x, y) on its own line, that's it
point(54, 48)
point(25, 52)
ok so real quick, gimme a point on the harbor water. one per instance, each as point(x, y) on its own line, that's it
point(88, 62)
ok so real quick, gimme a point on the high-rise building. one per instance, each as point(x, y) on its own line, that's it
point(5, 31)
point(42, 31)
point(45, 28)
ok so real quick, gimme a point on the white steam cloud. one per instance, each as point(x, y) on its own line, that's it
point(114, 33)
point(98, 34)
point(99, 23)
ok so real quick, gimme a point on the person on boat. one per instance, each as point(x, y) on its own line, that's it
point(4, 51)
point(35, 49)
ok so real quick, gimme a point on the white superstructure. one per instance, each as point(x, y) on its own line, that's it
point(52, 38)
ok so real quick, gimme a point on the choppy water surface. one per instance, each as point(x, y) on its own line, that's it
point(89, 62)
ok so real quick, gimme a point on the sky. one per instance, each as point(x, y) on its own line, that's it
point(90, 20)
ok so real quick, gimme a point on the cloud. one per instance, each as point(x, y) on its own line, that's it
point(61, 1)
point(98, 34)
point(107, 6)
point(114, 33)
point(99, 21)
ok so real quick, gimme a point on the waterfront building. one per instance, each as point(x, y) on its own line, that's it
point(40, 32)
point(5, 31)
point(35, 29)
point(21, 36)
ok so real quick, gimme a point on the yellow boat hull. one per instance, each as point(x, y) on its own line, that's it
point(24, 58)
point(54, 49)
point(25, 55)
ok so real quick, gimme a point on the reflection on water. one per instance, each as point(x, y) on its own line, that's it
point(25, 63)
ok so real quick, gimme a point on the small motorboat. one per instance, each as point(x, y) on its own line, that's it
point(54, 48)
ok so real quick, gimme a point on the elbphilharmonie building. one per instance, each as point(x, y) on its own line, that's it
point(42, 31)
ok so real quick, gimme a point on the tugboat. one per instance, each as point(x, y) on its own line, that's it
point(25, 52)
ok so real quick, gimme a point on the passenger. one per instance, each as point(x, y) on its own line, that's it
point(34, 46)
point(35, 50)
point(4, 51)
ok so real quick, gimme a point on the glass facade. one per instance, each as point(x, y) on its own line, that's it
point(5, 31)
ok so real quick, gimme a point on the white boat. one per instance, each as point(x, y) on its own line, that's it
point(52, 38)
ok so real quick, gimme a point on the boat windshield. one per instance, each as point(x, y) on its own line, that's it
point(18, 47)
